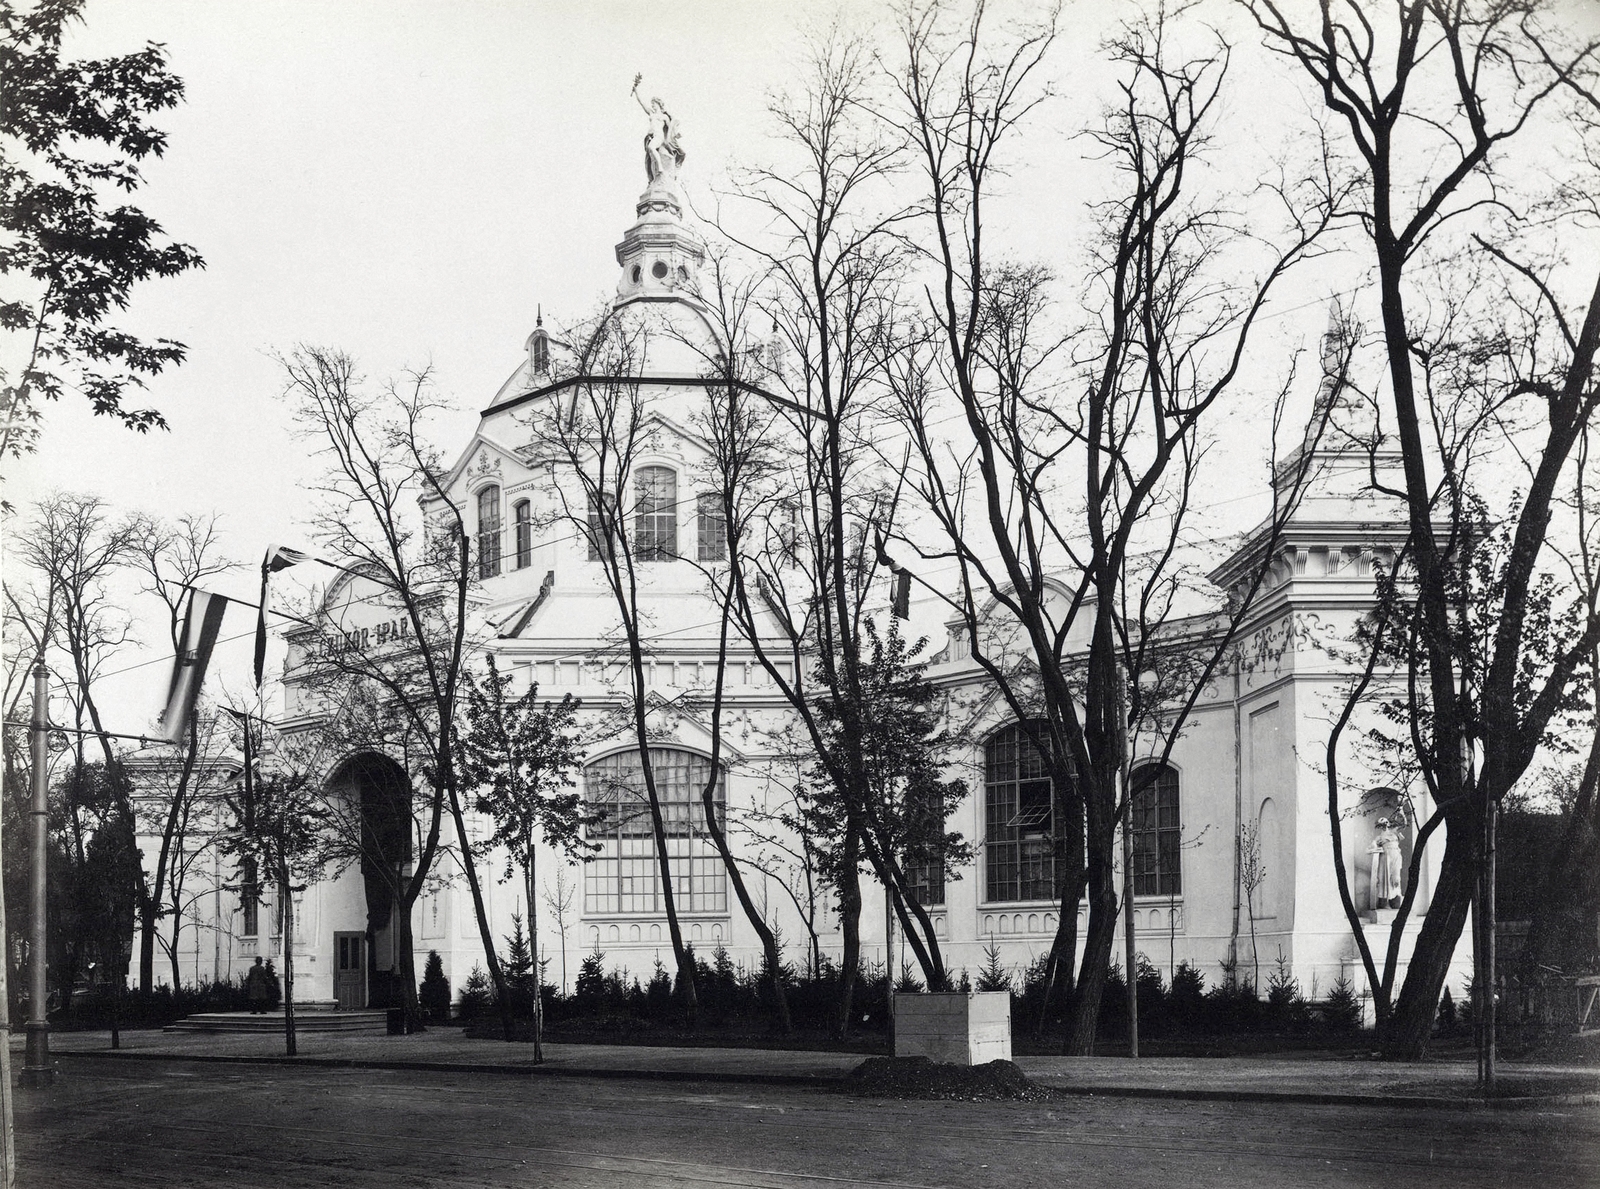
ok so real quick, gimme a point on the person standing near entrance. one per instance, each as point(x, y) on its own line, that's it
point(258, 988)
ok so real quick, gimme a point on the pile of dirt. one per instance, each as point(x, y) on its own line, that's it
point(918, 1077)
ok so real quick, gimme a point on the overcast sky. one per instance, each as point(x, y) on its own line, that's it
point(410, 181)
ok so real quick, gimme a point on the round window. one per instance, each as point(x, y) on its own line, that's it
point(658, 270)
point(636, 274)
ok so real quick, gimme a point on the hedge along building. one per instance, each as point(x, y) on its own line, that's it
point(1232, 854)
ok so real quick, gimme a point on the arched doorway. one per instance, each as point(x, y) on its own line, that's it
point(371, 961)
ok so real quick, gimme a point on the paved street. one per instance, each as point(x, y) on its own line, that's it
point(177, 1123)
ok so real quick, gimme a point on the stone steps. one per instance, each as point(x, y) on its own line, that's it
point(310, 1021)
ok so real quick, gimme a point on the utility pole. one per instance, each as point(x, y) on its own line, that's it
point(1491, 813)
point(8, 1153)
point(1127, 861)
point(37, 1071)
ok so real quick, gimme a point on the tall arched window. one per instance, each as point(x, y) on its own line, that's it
point(1157, 833)
point(541, 352)
point(522, 521)
point(655, 530)
point(488, 532)
point(625, 876)
point(1019, 820)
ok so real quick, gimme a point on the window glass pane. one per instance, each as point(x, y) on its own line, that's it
point(625, 875)
point(1157, 835)
point(713, 528)
point(655, 494)
point(522, 516)
point(488, 532)
point(1019, 820)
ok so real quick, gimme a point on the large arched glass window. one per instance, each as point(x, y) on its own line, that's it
point(488, 532)
point(1157, 833)
point(1019, 820)
point(655, 530)
point(625, 876)
point(522, 521)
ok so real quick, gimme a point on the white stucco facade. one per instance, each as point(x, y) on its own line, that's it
point(1251, 758)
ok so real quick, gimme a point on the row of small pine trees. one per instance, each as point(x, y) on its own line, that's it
point(731, 994)
point(1185, 1006)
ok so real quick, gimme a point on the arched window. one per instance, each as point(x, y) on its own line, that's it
point(488, 532)
point(541, 352)
point(1157, 833)
point(522, 521)
point(1019, 820)
point(655, 531)
point(625, 876)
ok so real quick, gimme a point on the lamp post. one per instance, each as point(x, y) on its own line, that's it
point(36, 1070)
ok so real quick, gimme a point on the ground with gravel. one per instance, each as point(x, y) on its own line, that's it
point(186, 1125)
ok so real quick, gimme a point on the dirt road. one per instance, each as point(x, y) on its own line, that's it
point(176, 1123)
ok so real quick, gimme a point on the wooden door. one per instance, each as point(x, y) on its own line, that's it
point(350, 971)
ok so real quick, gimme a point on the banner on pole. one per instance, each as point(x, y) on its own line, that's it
point(202, 623)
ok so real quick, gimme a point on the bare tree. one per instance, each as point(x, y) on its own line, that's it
point(78, 550)
point(803, 576)
point(176, 559)
point(596, 431)
point(558, 898)
point(1252, 874)
point(399, 696)
point(281, 829)
point(1431, 95)
point(1065, 519)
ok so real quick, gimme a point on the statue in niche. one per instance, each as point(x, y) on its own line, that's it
point(662, 152)
point(1388, 877)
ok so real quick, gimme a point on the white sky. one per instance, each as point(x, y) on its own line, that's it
point(407, 181)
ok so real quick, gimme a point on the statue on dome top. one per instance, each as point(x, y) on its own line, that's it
point(662, 152)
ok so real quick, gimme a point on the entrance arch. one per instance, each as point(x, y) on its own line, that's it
point(378, 792)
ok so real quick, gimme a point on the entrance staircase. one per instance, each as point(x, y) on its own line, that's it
point(318, 1015)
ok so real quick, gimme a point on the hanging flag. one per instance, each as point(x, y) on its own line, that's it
point(247, 812)
point(279, 557)
point(201, 624)
point(902, 594)
point(900, 605)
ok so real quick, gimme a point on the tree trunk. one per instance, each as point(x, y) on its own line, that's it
point(530, 871)
point(1411, 1025)
point(407, 967)
point(1083, 1018)
point(286, 910)
point(172, 953)
point(116, 1010)
point(850, 927)
point(150, 901)
point(502, 998)
point(769, 942)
